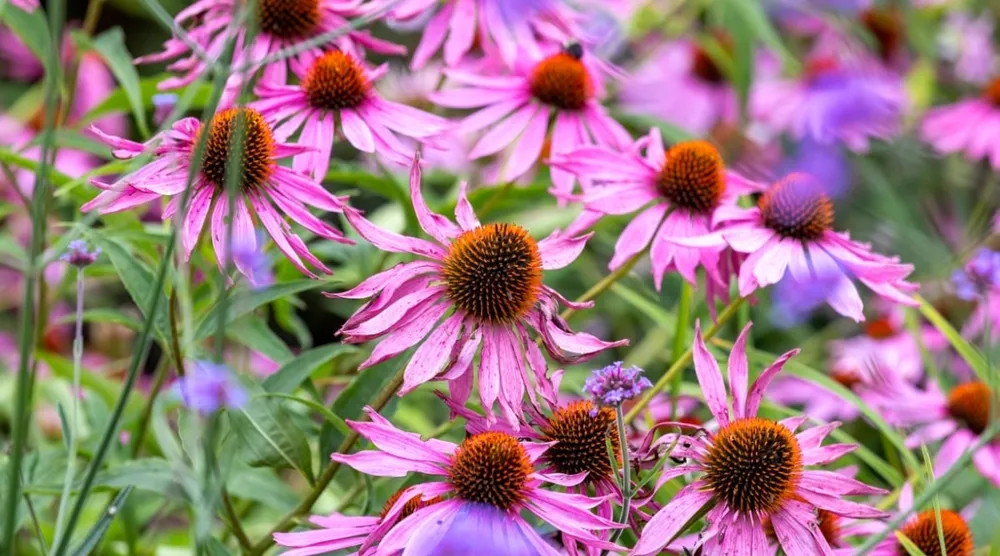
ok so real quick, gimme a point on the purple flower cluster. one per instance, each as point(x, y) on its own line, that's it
point(79, 254)
point(978, 276)
point(615, 384)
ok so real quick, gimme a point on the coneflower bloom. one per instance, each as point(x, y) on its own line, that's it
point(752, 469)
point(676, 192)
point(280, 24)
point(790, 231)
point(956, 418)
point(485, 282)
point(336, 87)
point(969, 127)
point(922, 530)
point(966, 43)
point(491, 468)
point(832, 102)
point(561, 88)
point(504, 27)
point(337, 531)
point(262, 182)
point(682, 85)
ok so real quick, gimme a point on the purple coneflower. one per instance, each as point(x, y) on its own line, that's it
point(485, 282)
point(516, 111)
point(791, 231)
point(262, 181)
point(336, 87)
point(753, 469)
point(280, 24)
point(969, 126)
point(922, 530)
point(491, 468)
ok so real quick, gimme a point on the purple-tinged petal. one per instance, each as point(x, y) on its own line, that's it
point(559, 250)
point(436, 226)
point(667, 523)
point(739, 372)
point(710, 379)
point(391, 241)
point(432, 356)
point(760, 385)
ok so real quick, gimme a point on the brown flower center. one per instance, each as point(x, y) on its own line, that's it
point(880, 329)
point(581, 439)
point(336, 81)
point(923, 531)
point(847, 379)
point(754, 465)
point(796, 207)
point(288, 19)
point(491, 468)
point(885, 27)
point(992, 92)
point(970, 404)
point(562, 81)
point(693, 177)
point(413, 504)
point(494, 272)
point(703, 66)
point(256, 163)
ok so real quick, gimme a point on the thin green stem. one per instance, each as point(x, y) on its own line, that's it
point(609, 280)
point(74, 409)
point(680, 340)
point(27, 326)
point(725, 316)
point(159, 378)
point(626, 473)
point(234, 521)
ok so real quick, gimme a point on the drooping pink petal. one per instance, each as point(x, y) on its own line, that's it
point(431, 357)
point(667, 523)
point(739, 372)
point(710, 379)
point(391, 241)
point(762, 382)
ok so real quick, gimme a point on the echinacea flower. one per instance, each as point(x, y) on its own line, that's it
point(832, 102)
point(969, 126)
point(485, 282)
point(208, 387)
point(956, 418)
point(677, 193)
point(561, 88)
point(922, 530)
point(280, 24)
point(790, 232)
point(504, 27)
point(336, 87)
point(967, 43)
point(752, 469)
point(491, 468)
point(262, 181)
point(337, 531)
point(681, 84)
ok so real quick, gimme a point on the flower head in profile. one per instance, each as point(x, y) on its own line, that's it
point(78, 254)
point(474, 286)
point(752, 469)
point(700, 93)
point(280, 24)
point(337, 531)
point(336, 87)
point(615, 384)
point(270, 188)
point(921, 528)
point(502, 28)
point(968, 126)
point(790, 234)
point(561, 88)
point(675, 192)
point(491, 468)
point(208, 387)
point(979, 275)
point(956, 418)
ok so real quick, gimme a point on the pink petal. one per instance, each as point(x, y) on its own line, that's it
point(437, 226)
point(431, 357)
point(710, 379)
point(391, 241)
point(666, 523)
point(760, 385)
point(739, 372)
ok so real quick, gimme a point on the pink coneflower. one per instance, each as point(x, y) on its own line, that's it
point(791, 231)
point(334, 88)
point(280, 24)
point(967, 42)
point(337, 531)
point(681, 84)
point(262, 182)
point(517, 109)
point(957, 418)
point(753, 469)
point(922, 530)
point(677, 193)
point(503, 27)
point(490, 468)
point(969, 126)
point(487, 279)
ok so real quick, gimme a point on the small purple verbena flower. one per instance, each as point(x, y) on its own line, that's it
point(980, 274)
point(615, 384)
point(253, 258)
point(208, 387)
point(481, 529)
point(79, 255)
point(163, 105)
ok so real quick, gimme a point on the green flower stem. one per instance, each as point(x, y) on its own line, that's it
point(324, 480)
point(680, 340)
point(626, 473)
point(609, 280)
point(678, 365)
point(27, 325)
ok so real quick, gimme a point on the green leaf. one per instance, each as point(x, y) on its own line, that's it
point(263, 486)
point(245, 300)
point(31, 28)
point(753, 16)
point(258, 336)
point(271, 438)
point(118, 100)
point(152, 474)
point(328, 415)
point(136, 277)
point(964, 348)
point(351, 402)
point(291, 374)
point(907, 544)
point(214, 547)
point(110, 45)
point(56, 177)
point(97, 532)
point(113, 316)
